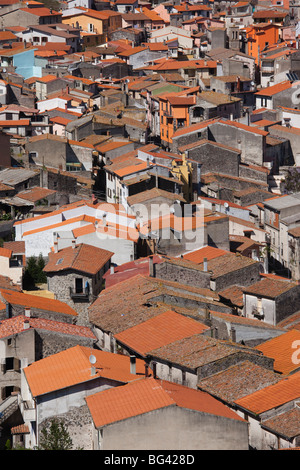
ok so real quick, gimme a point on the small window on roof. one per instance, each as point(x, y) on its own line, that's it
point(59, 261)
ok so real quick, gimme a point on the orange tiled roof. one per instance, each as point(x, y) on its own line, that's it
point(82, 257)
point(20, 429)
point(17, 247)
point(5, 252)
point(80, 218)
point(274, 89)
point(72, 367)
point(159, 331)
point(281, 349)
point(60, 120)
point(285, 391)
point(131, 169)
point(41, 11)
point(148, 394)
point(194, 127)
point(35, 194)
point(208, 252)
point(270, 288)
point(34, 301)
point(15, 325)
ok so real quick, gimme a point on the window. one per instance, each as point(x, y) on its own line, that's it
point(78, 285)
point(91, 28)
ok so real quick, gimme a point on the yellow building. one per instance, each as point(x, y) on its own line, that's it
point(94, 22)
point(182, 170)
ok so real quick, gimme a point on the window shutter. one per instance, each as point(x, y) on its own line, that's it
point(17, 364)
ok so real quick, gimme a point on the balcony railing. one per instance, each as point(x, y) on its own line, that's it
point(83, 294)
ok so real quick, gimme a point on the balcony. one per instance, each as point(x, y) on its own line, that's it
point(80, 294)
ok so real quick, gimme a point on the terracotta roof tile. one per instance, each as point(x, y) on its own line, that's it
point(15, 325)
point(281, 349)
point(228, 263)
point(17, 247)
point(208, 252)
point(196, 351)
point(274, 89)
point(159, 331)
point(20, 429)
point(238, 381)
point(5, 252)
point(273, 396)
point(234, 294)
point(35, 194)
point(285, 424)
point(270, 288)
point(72, 366)
point(34, 301)
point(82, 257)
point(143, 396)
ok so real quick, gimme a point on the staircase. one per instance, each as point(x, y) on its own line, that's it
point(8, 407)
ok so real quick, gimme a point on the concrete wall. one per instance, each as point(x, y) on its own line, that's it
point(251, 145)
point(21, 345)
point(176, 428)
point(69, 405)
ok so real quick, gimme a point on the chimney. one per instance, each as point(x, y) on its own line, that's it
point(26, 325)
point(8, 310)
point(132, 364)
point(207, 313)
point(27, 312)
point(233, 334)
point(112, 269)
point(151, 267)
point(205, 265)
point(55, 247)
point(74, 243)
point(154, 370)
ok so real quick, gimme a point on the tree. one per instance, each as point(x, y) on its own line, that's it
point(41, 276)
point(55, 437)
point(292, 181)
point(34, 273)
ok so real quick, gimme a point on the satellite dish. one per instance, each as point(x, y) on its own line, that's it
point(92, 359)
point(226, 205)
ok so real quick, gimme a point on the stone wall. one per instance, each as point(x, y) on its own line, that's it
point(241, 277)
point(183, 275)
point(287, 303)
point(60, 284)
point(253, 173)
point(48, 343)
point(79, 425)
point(231, 360)
point(214, 158)
point(185, 139)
